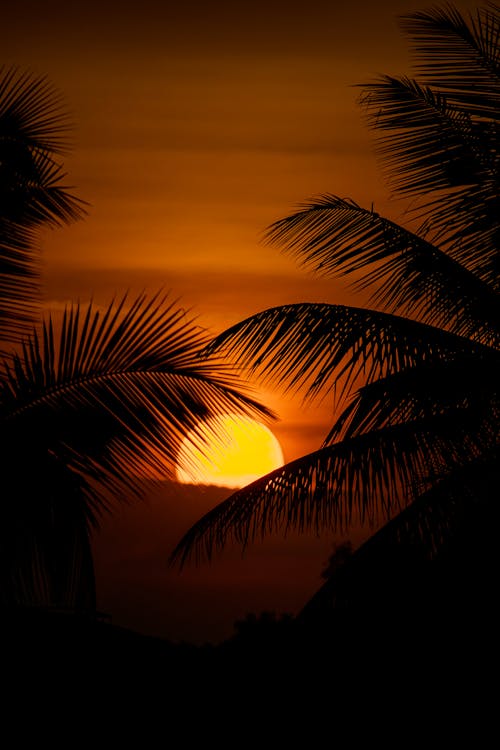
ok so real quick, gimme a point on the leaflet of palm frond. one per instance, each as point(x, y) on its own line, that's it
point(333, 236)
point(461, 55)
point(316, 346)
point(126, 382)
point(367, 478)
point(466, 383)
point(427, 530)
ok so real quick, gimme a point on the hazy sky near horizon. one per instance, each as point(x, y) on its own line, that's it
point(196, 126)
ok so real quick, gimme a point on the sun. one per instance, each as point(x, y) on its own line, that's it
point(243, 451)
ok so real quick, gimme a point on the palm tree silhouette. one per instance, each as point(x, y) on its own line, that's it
point(34, 132)
point(415, 442)
point(87, 409)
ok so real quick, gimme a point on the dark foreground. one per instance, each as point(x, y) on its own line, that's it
point(391, 663)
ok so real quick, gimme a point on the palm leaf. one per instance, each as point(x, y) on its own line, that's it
point(90, 412)
point(32, 112)
point(448, 158)
point(460, 55)
point(459, 118)
point(459, 384)
point(40, 198)
point(120, 387)
point(431, 145)
point(468, 226)
point(313, 347)
point(368, 479)
point(333, 236)
point(33, 127)
point(19, 282)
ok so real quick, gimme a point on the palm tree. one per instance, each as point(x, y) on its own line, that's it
point(415, 442)
point(86, 411)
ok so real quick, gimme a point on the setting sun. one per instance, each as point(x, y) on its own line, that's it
point(245, 451)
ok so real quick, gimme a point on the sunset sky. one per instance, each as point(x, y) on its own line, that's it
point(197, 125)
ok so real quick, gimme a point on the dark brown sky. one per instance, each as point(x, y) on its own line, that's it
point(196, 125)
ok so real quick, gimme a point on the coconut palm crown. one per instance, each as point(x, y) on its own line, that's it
point(415, 376)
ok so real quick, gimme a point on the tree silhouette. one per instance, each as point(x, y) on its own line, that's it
point(34, 130)
point(415, 376)
point(87, 409)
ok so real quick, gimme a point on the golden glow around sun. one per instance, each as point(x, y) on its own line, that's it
point(244, 451)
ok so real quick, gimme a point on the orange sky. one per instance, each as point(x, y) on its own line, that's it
point(198, 124)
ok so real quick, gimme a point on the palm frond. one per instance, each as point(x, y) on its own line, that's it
point(467, 225)
point(19, 282)
point(334, 236)
point(466, 382)
point(368, 479)
point(313, 347)
point(459, 54)
point(449, 159)
point(122, 387)
point(430, 145)
point(33, 127)
point(90, 412)
point(39, 197)
point(32, 113)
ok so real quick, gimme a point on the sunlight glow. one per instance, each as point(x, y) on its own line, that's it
point(244, 451)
